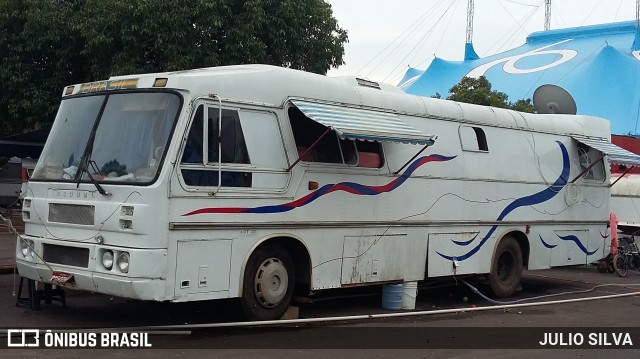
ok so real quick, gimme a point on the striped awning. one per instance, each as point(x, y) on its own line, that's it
point(359, 124)
point(617, 155)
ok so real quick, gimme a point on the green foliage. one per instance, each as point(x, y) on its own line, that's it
point(38, 54)
point(523, 105)
point(48, 44)
point(478, 91)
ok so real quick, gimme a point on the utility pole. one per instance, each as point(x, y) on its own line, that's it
point(547, 14)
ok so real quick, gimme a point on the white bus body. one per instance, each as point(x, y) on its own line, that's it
point(490, 194)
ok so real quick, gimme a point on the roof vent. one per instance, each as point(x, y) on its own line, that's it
point(368, 83)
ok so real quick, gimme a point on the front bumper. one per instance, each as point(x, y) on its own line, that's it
point(146, 279)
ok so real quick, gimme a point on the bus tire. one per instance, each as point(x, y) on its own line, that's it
point(506, 268)
point(268, 283)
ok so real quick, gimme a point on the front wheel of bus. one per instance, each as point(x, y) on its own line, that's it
point(268, 283)
point(506, 268)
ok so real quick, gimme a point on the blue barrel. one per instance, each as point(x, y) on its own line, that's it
point(392, 296)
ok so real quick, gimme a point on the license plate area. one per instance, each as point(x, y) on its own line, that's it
point(62, 277)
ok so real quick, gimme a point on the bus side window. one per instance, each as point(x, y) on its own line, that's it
point(369, 154)
point(586, 155)
point(473, 139)
point(331, 148)
point(193, 149)
point(234, 150)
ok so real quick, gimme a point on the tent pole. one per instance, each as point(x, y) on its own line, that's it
point(311, 148)
point(412, 158)
point(470, 21)
point(547, 15)
point(622, 175)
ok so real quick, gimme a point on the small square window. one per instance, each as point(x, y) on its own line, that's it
point(473, 139)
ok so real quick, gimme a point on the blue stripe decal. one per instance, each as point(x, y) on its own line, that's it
point(530, 200)
point(466, 243)
point(550, 246)
point(576, 240)
point(348, 187)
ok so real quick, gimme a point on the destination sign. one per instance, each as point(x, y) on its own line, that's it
point(108, 85)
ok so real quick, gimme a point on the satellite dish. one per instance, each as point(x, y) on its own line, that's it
point(553, 99)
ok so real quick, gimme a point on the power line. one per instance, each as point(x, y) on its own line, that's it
point(558, 14)
point(405, 33)
point(511, 34)
point(409, 53)
point(431, 31)
point(523, 4)
point(590, 13)
point(617, 11)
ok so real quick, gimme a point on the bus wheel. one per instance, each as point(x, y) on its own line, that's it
point(506, 268)
point(268, 283)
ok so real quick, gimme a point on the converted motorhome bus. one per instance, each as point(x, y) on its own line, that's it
point(256, 182)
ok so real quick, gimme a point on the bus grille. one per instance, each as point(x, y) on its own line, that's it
point(71, 213)
point(71, 256)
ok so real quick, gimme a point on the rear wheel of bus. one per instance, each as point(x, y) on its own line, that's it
point(268, 283)
point(506, 268)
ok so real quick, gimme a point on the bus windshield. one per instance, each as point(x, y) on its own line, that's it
point(119, 138)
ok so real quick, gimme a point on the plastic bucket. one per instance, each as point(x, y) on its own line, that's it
point(409, 294)
point(392, 296)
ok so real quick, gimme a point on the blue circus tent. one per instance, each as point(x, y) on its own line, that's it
point(598, 65)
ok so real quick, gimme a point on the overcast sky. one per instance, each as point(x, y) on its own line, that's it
point(387, 36)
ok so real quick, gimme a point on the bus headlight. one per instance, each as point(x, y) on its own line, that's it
point(24, 248)
point(123, 262)
point(107, 259)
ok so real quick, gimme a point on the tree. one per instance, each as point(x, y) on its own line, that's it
point(38, 56)
point(48, 44)
point(523, 105)
point(478, 91)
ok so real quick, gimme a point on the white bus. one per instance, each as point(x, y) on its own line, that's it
point(258, 182)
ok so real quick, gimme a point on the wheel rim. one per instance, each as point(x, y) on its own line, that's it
point(271, 282)
point(506, 266)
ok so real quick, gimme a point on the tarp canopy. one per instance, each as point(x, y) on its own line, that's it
point(352, 123)
point(23, 145)
point(598, 65)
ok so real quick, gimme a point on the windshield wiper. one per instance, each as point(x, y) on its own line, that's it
point(84, 163)
point(84, 168)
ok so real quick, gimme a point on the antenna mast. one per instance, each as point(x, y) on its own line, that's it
point(470, 21)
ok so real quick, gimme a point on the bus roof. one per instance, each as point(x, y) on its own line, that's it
point(274, 86)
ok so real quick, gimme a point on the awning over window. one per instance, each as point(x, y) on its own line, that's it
point(351, 123)
point(617, 155)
